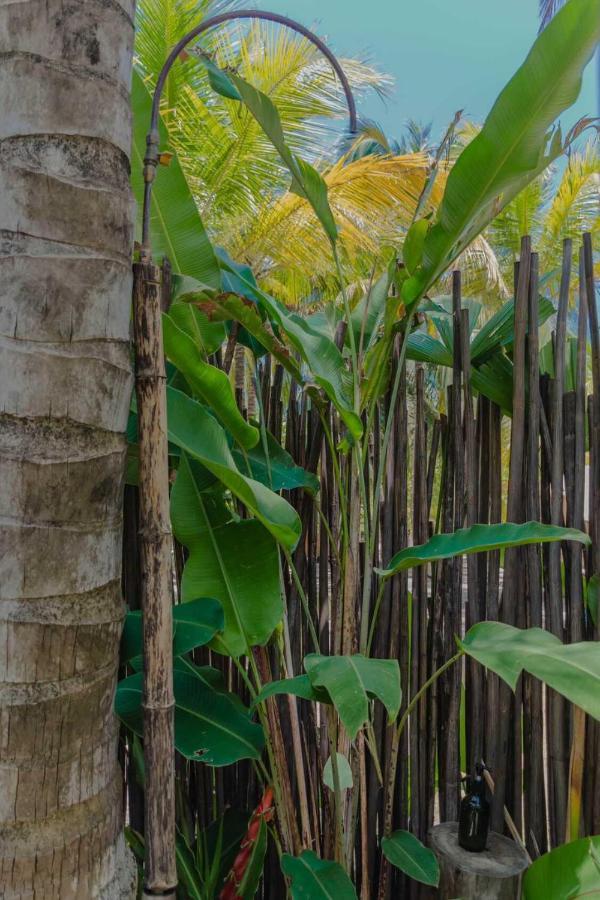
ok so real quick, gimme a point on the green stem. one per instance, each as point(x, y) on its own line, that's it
point(376, 609)
point(372, 745)
point(337, 475)
point(351, 336)
point(415, 700)
point(263, 424)
point(303, 598)
point(365, 638)
point(328, 530)
point(391, 776)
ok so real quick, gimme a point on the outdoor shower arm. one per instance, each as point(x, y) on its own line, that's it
point(152, 139)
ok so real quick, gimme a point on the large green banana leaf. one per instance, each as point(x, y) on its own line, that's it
point(573, 870)
point(207, 335)
point(176, 229)
point(316, 879)
point(274, 467)
point(347, 682)
point(193, 429)
point(244, 311)
point(210, 726)
point(479, 539)
point(321, 355)
point(515, 144)
point(209, 383)
point(194, 624)
point(571, 669)
point(235, 562)
point(351, 680)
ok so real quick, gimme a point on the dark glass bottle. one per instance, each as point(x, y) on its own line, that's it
point(474, 816)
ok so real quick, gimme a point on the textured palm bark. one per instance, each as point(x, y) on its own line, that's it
point(65, 384)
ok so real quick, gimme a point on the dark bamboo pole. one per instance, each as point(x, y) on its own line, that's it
point(474, 672)
point(160, 874)
point(493, 582)
point(454, 623)
point(418, 725)
point(577, 509)
point(514, 513)
point(535, 805)
point(593, 812)
point(592, 307)
point(557, 718)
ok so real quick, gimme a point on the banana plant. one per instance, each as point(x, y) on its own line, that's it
point(490, 347)
point(217, 455)
point(573, 870)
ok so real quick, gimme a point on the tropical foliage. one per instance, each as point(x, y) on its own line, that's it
point(265, 101)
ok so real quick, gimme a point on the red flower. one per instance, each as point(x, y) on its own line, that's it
point(263, 812)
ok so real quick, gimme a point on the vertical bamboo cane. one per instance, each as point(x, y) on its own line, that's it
point(456, 566)
point(474, 672)
point(593, 822)
point(514, 513)
point(535, 806)
point(557, 722)
point(160, 874)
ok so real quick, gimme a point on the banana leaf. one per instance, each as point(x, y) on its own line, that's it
point(176, 229)
point(515, 144)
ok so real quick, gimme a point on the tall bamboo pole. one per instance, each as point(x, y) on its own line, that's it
point(514, 513)
point(160, 875)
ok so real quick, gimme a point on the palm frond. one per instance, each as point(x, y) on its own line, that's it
point(523, 215)
point(230, 164)
point(373, 199)
point(482, 274)
point(574, 206)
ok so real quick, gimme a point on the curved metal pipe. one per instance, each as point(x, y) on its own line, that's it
point(152, 139)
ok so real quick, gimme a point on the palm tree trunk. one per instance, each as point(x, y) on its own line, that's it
point(65, 384)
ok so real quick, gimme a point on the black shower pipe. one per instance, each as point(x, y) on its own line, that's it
point(152, 138)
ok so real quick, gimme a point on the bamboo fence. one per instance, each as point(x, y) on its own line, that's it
point(444, 471)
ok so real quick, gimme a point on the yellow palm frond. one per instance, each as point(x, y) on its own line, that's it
point(228, 161)
point(482, 275)
point(373, 200)
point(574, 206)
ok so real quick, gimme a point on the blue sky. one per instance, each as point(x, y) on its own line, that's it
point(443, 54)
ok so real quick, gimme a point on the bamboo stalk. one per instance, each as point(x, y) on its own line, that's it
point(593, 817)
point(535, 800)
point(475, 707)
point(507, 816)
point(514, 513)
point(160, 875)
point(557, 720)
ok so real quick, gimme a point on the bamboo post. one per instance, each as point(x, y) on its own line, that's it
point(506, 720)
point(557, 723)
point(474, 672)
point(450, 747)
point(535, 800)
point(593, 802)
point(160, 874)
